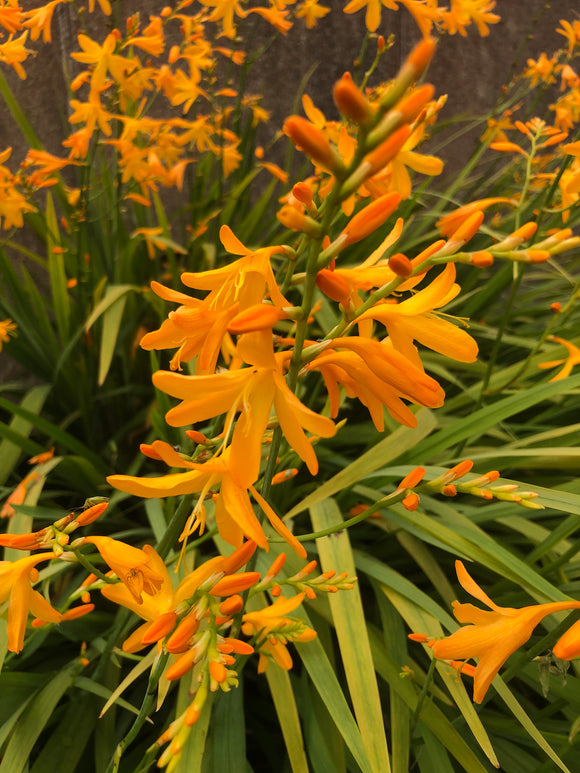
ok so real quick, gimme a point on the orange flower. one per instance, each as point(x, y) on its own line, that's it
point(253, 391)
point(273, 629)
point(235, 516)
point(415, 319)
point(158, 610)
point(7, 328)
point(130, 565)
point(16, 588)
point(569, 362)
point(493, 636)
point(18, 495)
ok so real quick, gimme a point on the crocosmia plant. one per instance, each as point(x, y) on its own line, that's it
point(279, 400)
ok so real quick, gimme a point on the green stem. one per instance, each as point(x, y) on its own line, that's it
point(144, 712)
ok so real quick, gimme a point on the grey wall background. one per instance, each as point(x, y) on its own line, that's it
point(470, 70)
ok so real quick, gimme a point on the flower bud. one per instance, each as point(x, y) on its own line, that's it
point(371, 217)
point(312, 141)
point(351, 102)
point(400, 265)
point(568, 646)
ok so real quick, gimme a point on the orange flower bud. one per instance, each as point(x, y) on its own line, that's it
point(411, 105)
point(568, 645)
point(457, 472)
point(276, 567)
point(412, 479)
point(467, 229)
point(302, 192)
point(181, 637)
point(261, 316)
point(537, 256)
point(149, 451)
point(463, 668)
point(556, 307)
point(380, 44)
point(240, 647)
point(351, 102)
point(232, 605)
point(333, 286)
point(420, 637)
point(197, 437)
point(173, 54)
point(312, 141)
point(217, 671)
point(400, 265)
point(421, 55)
point(182, 666)
point(159, 628)
point(91, 514)
point(80, 611)
point(449, 490)
point(387, 150)
point(482, 259)
point(239, 557)
point(411, 501)
point(235, 583)
point(371, 217)
point(284, 475)
point(297, 221)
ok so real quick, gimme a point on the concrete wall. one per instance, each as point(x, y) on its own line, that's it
point(471, 70)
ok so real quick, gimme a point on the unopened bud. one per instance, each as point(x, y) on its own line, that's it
point(297, 221)
point(351, 102)
point(400, 265)
point(312, 141)
point(481, 259)
point(371, 217)
point(261, 316)
point(333, 286)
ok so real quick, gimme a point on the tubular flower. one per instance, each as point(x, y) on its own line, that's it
point(158, 610)
point(131, 565)
point(377, 375)
point(244, 280)
point(569, 362)
point(195, 327)
point(274, 629)
point(7, 328)
point(235, 516)
point(491, 636)
point(16, 588)
point(414, 320)
point(253, 391)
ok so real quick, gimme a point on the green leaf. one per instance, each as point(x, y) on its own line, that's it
point(380, 455)
point(112, 318)
point(31, 724)
point(228, 731)
point(63, 750)
point(10, 451)
point(111, 296)
point(192, 756)
point(57, 273)
point(479, 422)
point(430, 714)
point(322, 675)
point(514, 706)
point(285, 704)
point(349, 620)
